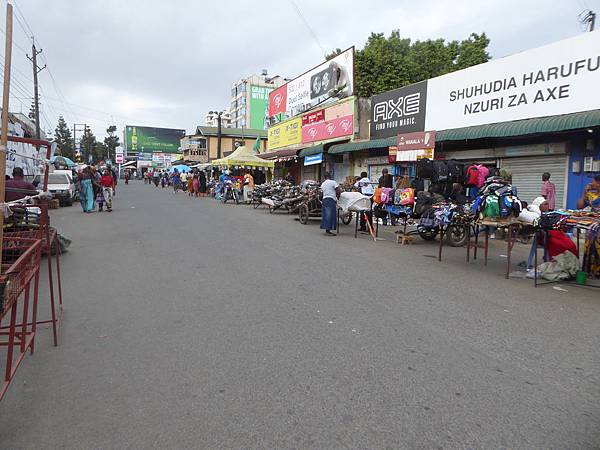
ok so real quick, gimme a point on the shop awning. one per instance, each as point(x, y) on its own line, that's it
point(276, 155)
point(314, 150)
point(362, 145)
point(565, 122)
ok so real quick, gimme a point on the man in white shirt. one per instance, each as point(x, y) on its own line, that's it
point(366, 188)
point(330, 190)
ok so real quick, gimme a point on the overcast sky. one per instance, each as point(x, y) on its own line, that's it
point(167, 63)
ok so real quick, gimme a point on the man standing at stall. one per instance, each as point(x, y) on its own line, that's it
point(548, 190)
point(385, 180)
point(331, 191)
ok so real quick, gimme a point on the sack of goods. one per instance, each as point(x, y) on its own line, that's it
point(497, 199)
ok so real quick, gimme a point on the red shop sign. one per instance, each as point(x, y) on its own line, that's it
point(313, 117)
point(278, 100)
point(341, 126)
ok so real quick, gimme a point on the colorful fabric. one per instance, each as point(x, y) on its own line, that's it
point(87, 192)
point(591, 252)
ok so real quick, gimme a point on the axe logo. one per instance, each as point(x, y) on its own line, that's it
point(396, 108)
point(278, 99)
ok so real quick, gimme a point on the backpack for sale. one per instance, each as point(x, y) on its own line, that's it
point(418, 185)
point(423, 201)
point(505, 206)
point(386, 195)
point(424, 168)
point(472, 176)
point(405, 197)
point(482, 173)
point(440, 172)
point(454, 171)
point(377, 196)
point(492, 207)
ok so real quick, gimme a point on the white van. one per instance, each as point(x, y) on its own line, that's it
point(60, 185)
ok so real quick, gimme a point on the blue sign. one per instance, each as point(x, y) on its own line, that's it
point(144, 156)
point(313, 159)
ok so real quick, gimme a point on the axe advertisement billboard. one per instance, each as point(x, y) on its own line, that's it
point(556, 79)
point(327, 83)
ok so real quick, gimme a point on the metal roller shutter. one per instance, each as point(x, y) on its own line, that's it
point(527, 176)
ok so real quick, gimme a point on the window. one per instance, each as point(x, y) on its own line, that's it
point(233, 92)
point(54, 178)
point(243, 100)
point(242, 122)
point(242, 87)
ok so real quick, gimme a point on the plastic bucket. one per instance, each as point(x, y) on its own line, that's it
point(581, 277)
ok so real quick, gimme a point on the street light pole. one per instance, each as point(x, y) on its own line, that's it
point(219, 156)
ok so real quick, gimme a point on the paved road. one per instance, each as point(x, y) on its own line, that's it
point(195, 325)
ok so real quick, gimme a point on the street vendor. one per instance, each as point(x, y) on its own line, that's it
point(331, 190)
point(591, 195)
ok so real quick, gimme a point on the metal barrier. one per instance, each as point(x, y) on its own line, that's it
point(20, 266)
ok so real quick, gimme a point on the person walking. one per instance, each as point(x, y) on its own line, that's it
point(248, 186)
point(548, 190)
point(190, 184)
point(176, 180)
point(107, 182)
point(156, 178)
point(86, 189)
point(202, 182)
point(331, 191)
point(196, 185)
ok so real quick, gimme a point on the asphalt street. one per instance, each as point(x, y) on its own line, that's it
point(191, 324)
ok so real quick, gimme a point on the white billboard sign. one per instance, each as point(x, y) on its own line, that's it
point(326, 83)
point(560, 78)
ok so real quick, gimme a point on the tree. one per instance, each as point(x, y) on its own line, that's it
point(99, 151)
point(387, 63)
point(111, 141)
point(87, 143)
point(64, 139)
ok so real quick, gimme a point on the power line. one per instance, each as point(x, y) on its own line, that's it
point(310, 30)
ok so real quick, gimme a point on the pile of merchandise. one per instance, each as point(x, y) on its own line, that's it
point(497, 198)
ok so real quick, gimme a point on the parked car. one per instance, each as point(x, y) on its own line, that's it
point(60, 185)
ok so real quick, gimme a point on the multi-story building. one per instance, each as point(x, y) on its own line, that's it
point(250, 100)
point(212, 119)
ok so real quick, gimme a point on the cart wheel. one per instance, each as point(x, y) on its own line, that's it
point(347, 218)
point(428, 234)
point(303, 214)
point(271, 209)
point(256, 203)
point(457, 235)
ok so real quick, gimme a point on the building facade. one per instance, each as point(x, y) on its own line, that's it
point(203, 146)
point(250, 100)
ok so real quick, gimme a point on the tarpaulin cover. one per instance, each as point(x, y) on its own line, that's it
point(244, 157)
point(354, 201)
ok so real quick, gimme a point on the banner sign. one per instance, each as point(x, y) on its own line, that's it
point(321, 131)
point(326, 83)
point(150, 139)
point(399, 111)
point(259, 105)
point(415, 141)
point(556, 79)
point(313, 159)
point(119, 159)
point(284, 134)
point(313, 117)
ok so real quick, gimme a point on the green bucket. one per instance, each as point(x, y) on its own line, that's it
point(581, 277)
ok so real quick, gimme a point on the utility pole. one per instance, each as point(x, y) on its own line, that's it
point(36, 99)
point(75, 125)
point(5, 105)
point(219, 135)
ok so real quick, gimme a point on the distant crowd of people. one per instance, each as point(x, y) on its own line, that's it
point(193, 182)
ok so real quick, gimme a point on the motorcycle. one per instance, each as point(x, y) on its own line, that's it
point(230, 192)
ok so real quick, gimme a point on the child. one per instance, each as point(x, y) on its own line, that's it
point(100, 200)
